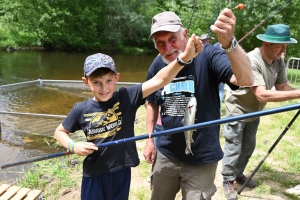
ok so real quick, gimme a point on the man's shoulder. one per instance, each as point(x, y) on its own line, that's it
point(255, 53)
point(156, 65)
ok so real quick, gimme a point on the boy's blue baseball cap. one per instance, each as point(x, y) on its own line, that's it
point(97, 61)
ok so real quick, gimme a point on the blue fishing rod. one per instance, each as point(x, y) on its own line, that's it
point(167, 132)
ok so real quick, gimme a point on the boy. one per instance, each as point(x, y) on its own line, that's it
point(109, 116)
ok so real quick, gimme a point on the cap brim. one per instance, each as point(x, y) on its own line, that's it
point(211, 38)
point(91, 71)
point(291, 41)
point(169, 28)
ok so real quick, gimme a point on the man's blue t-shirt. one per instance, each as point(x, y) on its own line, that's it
point(201, 79)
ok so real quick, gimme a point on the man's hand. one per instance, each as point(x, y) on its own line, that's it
point(224, 27)
point(193, 47)
point(149, 151)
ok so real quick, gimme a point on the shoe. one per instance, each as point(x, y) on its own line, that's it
point(229, 192)
point(243, 179)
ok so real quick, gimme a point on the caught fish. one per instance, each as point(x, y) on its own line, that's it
point(189, 119)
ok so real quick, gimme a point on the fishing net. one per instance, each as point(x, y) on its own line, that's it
point(19, 123)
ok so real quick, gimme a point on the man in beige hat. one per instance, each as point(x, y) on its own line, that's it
point(173, 169)
point(240, 136)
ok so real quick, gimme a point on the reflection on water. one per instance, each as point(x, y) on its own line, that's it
point(23, 66)
point(25, 137)
point(28, 136)
point(43, 99)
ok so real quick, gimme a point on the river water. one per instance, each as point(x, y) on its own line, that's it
point(27, 137)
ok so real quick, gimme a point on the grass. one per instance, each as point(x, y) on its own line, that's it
point(278, 172)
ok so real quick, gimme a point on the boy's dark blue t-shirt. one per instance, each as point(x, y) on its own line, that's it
point(105, 122)
point(201, 79)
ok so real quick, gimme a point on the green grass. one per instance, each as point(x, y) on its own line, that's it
point(52, 175)
point(280, 170)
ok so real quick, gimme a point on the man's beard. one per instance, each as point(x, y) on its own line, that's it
point(164, 56)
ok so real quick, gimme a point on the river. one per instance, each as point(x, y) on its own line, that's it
point(17, 141)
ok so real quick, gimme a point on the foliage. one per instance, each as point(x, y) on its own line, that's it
point(115, 24)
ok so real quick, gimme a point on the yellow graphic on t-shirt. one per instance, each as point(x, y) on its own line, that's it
point(104, 124)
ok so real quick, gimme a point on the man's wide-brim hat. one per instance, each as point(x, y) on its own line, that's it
point(278, 33)
point(165, 21)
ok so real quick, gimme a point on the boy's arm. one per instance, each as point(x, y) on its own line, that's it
point(80, 148)
point(168, 73)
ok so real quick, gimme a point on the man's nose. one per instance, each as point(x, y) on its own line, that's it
point(168, 46)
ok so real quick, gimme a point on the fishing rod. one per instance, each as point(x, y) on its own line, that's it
point(167, 132)
point(269, 152)
point(195, 5)
point(269, 16)
point(213, 19)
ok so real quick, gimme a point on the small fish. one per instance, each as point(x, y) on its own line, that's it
point(189, 119)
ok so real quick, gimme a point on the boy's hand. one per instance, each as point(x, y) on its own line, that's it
point(193, 47)
point(85, 148)
point(224, 27)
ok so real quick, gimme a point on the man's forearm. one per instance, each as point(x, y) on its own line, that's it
point(241, 67)
point(151, 117)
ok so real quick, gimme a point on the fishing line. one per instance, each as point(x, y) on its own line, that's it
point(213, 19)
point(195, 4)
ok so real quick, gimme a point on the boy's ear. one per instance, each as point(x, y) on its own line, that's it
point(85, 81)
point(118, 75)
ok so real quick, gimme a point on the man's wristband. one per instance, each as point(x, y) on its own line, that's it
point(182, 63)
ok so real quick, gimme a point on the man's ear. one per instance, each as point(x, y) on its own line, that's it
point(186, 32)
point(85, 81)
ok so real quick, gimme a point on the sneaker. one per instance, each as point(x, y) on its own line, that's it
point(243, 179)
point(229, 192)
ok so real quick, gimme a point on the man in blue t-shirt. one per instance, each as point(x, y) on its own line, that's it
point(109, 116)
point(173, 169)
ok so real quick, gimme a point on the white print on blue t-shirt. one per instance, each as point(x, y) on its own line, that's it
point(180, 86)
point(176, 96)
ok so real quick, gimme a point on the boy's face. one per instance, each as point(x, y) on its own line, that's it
point(102, 87)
